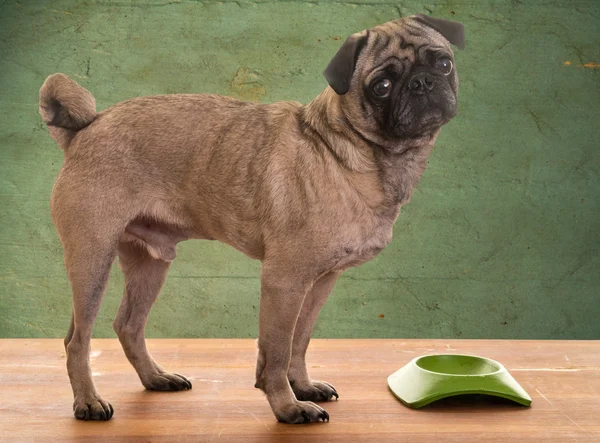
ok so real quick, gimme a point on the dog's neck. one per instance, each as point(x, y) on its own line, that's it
point(397, 167)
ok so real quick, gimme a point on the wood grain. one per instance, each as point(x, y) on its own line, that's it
point(562, 377)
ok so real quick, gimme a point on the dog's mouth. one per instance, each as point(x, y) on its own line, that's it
point(425, 113)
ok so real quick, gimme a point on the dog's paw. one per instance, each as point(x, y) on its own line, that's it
point(167, 381)
point(301, 412)
point(314, 390)
point(93, 409)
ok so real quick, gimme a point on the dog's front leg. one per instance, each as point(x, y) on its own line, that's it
point(304, 387)
point(282, 294)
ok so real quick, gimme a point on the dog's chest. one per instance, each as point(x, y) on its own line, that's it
point(360, 245)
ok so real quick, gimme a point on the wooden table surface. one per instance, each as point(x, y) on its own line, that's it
point(562, 378)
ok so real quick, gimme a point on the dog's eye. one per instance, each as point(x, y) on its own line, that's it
point(382, 88)
point(444, 65)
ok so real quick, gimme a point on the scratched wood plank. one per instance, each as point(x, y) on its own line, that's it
point(562, 377)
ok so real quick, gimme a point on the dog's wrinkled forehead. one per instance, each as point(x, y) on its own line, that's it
point(399, 38)
point(402, 38)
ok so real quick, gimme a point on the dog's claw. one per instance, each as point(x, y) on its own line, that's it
point(188, 383)
point(111, 412)
point(82, 414)
point(314, 391)
point(167, 382)
point(334, 392)
point(300, 412)
point(96, 410)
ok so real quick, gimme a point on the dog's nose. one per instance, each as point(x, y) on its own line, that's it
point(421, 83)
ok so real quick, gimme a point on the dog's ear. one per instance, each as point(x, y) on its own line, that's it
point(453, 31)
point(340, 69)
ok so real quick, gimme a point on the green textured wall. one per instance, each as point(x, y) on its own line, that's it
point(501, 237)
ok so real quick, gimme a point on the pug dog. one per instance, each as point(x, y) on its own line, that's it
point(310, 190)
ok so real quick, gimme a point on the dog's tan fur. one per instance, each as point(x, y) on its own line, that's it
point(308, 190)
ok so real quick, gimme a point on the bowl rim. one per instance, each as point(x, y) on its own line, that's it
point(500, 367)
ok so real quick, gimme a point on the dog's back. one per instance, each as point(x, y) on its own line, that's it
point(151, 156)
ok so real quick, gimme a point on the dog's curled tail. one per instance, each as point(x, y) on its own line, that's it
point(66, 107)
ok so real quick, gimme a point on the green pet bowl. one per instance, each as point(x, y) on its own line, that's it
point(433, 377)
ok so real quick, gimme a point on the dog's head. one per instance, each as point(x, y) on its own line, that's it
point(398, 80)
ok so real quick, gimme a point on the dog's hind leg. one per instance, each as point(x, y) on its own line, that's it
point(144, 277)
point(88, 261)
point(89, 225)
